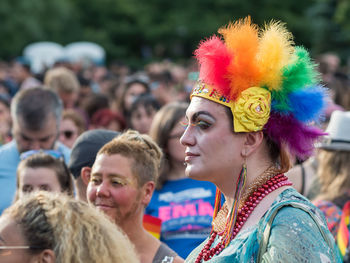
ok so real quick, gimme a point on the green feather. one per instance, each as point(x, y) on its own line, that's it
point(298, 74)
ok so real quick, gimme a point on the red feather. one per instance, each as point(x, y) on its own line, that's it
point(214, 59)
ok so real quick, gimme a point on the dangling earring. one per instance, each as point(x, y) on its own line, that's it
point(241, 180)
point(217, 205)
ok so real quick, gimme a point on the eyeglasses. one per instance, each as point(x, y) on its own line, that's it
point(6, 250)
point(68, 134)
point(53, 153)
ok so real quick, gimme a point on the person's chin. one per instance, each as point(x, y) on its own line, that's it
point(194, 172)
point(108, 212)
point(105, 209)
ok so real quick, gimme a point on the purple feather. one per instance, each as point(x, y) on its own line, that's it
point(298, 137)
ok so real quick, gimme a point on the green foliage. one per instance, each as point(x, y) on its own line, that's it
point(329, 20)
point(136, 31)
point(24, 22)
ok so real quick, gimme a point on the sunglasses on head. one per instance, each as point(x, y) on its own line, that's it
point(53, 153)
point(68, 134)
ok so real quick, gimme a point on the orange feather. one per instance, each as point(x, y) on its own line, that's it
point(242, 39)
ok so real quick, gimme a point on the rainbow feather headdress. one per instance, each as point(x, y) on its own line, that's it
point(268, 83)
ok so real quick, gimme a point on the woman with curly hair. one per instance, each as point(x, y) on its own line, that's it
point(47, 227)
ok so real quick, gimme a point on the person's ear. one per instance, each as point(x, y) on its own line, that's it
point(85, 174)
point(252, 142)
point(47, 256)
point(148, 189)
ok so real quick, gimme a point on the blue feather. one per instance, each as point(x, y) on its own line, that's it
point(308, 103)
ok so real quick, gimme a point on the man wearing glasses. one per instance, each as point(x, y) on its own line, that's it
point(36, 115)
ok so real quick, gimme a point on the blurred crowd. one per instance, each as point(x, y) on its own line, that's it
point(96, 96)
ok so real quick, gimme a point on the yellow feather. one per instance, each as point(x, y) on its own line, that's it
point(275, 52)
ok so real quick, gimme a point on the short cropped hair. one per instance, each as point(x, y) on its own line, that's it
point(33, 107)
point(142, 150)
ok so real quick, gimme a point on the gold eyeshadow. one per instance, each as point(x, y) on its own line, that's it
point(119, 181)
point(113, 179)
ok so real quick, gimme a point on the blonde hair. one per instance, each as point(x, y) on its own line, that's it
point(144, 152)
point(61, 79)
point(334, 173)
point(75, 231)
point(76, 118)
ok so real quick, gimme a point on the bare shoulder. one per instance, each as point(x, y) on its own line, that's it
point(294, 175)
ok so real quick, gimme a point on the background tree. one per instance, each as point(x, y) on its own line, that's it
point(25, 22)
point(136, 32)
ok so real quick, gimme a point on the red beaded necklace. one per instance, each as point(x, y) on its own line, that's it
point(252, 201)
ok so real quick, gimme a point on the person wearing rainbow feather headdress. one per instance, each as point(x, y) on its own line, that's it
point(254, 103)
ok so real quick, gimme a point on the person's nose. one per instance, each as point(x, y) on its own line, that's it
point(102, 190)
point(62, 138)
point(145, 120)
point(34, 145)
point(187, 138)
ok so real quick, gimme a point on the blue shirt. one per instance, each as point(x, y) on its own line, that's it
point(9, 160)
point(185, 207)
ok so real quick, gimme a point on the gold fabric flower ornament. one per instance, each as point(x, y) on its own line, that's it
point(251, 111)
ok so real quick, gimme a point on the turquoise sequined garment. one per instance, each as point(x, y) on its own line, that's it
point(294, 237)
